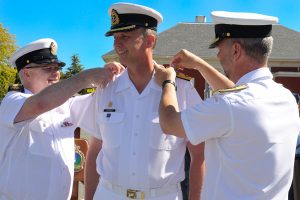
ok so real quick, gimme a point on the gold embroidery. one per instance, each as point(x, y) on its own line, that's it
point(114, 17)
point(53, 48)
point(123, 28)
point(234, 89)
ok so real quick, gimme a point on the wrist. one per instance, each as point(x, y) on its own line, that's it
point(165, 82)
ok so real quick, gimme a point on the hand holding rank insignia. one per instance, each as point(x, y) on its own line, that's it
point(185, 59)
point(109, 73)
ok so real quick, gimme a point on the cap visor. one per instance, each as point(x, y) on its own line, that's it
point(213, 45)
point(58, 62)
point(121, 29)
point(108, 33)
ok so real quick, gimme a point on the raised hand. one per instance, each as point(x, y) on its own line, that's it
point(100, 77)
point(162, 73)
point(185, 59)
point(115, 67)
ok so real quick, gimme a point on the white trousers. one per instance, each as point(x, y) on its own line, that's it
point(103, 193)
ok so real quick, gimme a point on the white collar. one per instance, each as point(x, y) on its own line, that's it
point(260, 73)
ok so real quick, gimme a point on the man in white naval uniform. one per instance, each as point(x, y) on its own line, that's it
point(137, 159)
point(250, 131)
point(37, 137)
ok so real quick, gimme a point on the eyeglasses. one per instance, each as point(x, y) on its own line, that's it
point(46, 68)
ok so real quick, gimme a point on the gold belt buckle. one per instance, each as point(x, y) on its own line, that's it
point(132, 194)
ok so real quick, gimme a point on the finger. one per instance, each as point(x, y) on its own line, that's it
point(175, 62)
point(179, 69)
point(157, 66)
point(115, 68)
point(119, 68)
point(122, 69)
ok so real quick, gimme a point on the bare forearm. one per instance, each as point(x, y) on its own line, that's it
point(214, 78)
point(197, 170)
point(169, 114)
point(55, 95)
point(91, 177)
point(91, 180)
point(195, 183)
point(187, 59)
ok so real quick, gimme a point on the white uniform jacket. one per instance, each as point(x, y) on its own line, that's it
point(250, 137)
point(135, 152)
point(37, 155)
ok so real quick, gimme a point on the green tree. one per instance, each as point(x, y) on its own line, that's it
point(75, 67)
point(7, 78)
point(7, 45)
point(7, 48)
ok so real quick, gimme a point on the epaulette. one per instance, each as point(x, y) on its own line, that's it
point(183, 76)
point(234, 89)
point(16, 87)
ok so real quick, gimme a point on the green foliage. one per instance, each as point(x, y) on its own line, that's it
point(75, 67)
point(7, 48)
point(62, 75)
point(7, 78)
point(7, 45)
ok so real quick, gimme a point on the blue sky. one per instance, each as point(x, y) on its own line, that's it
point(79, 26)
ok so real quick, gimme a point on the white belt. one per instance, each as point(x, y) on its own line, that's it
point(141, 194)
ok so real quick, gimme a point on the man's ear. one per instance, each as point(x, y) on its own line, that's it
point(25, 73)
point(151, 39)
point(237, 51)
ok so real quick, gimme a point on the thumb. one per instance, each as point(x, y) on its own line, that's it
point(175, 62)
point(157, 66)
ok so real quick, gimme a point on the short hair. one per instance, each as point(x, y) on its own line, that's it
point(257, 48)
point(148, 31)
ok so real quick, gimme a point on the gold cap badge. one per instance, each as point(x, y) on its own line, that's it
point(114, 17)
point(53, 48)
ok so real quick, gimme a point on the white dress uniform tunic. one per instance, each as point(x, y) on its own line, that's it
point(250, 139)
point(37, 155)
point(136, 154)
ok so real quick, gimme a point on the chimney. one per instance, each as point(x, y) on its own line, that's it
point(200, 19)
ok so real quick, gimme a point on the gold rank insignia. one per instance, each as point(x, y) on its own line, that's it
point(114, 17)
point(234, 89)
point(109, 109)
point(53, 48)
point(183, 76)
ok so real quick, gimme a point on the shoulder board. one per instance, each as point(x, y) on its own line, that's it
point(234, 89)
point(90, 90)
point(183, 76)
point(16, 87)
